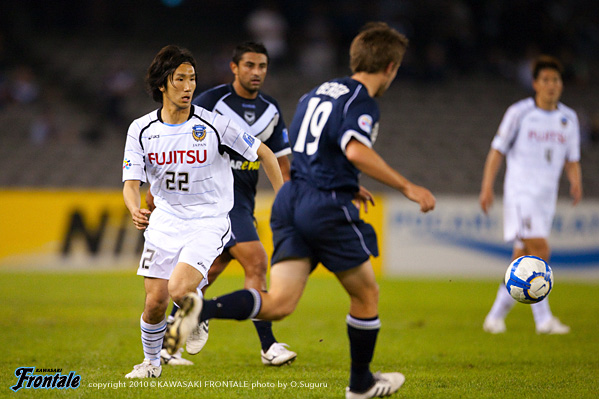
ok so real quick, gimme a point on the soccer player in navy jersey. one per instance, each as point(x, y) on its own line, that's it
point(314, 219)
point(259, 115)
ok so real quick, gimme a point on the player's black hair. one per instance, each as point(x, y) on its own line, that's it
point(163, 66)
point(546, 62)
point(248, 47)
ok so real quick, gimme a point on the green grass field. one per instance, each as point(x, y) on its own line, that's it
point(89, 323)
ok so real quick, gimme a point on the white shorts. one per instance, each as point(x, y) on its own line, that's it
point(170, 240)
point(524, 219)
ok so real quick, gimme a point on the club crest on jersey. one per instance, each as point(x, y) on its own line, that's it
point(198, 132)
point(249, 116)
point(564, 122)
point(248, 139)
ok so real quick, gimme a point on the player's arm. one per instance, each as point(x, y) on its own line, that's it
point(132, 198)
point(371, 163)
point(574, 175)
point(271, 166)
point(285, 167)
point(492, 164)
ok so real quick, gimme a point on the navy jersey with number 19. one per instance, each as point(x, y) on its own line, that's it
point(326, 119)
point(313, 215)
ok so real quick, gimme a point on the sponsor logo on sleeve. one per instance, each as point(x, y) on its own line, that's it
point(126, 164)
point(248, 139)
point(365, 123)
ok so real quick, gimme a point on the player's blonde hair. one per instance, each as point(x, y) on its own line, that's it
point(375, 47)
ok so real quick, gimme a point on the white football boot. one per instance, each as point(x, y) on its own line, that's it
point(186, 319)
point(494, 326)
point(278, 355)
point(385, 384)
point(198, 338)
point(553, 326)
point(174, 360)
point(145, 370)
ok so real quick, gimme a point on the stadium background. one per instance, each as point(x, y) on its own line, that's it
point(71, 80)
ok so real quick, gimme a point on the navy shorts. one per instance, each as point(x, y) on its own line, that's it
point(243, 226)
point(324, 226)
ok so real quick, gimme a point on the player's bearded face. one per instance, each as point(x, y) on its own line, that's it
point(548, 86)
point(180, 87)
point(251, 71)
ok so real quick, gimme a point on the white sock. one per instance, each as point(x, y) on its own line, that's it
point(541, 312)
point(502, 305)
point(152, 336)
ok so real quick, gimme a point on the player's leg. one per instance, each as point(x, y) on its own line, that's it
point(288, 280)
point(363, 325)
point(200, 334)
point(495, 320)
point(184, 280)
point(252, 257)
point(153, 327)
point(545, 322)
point(218, 266)
point(287, 286)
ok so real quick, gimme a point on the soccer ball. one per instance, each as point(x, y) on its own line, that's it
point(529, 279)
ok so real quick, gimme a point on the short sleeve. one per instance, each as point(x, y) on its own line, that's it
point(360, 122)
point(133, 160)
point(507, 131)
point(238, 140)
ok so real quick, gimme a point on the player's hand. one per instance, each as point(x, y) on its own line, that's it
point(576, 193)
point(363, 197)
point(150, 200)
point(423, 196)
point(140, 218)
point(486, 199)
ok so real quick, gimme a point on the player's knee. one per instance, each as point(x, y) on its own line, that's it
point(155, 308)
point(256, 267)
point(177, 292)
point(280, 310)
point(369, 296)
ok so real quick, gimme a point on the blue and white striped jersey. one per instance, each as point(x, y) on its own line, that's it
point(186, 164)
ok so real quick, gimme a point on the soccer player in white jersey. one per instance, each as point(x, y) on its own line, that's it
point(539, 137)
point(259, 115)
point(180, 150)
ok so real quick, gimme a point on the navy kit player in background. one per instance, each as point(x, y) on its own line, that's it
point(539, 137)
point(259, 115)
point(180, 150)
point(314, 218)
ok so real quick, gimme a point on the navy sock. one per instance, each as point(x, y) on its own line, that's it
point(362, 340)
point(174, 309)
point(264, 329)
point(238, 305)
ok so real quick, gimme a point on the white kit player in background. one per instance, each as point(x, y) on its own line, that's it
point(180, 150)
point(539, 137)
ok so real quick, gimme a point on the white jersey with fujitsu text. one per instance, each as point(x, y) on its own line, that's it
point(186, 164)
point(536, 144)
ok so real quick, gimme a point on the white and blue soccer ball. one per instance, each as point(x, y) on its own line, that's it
point(529, 279)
